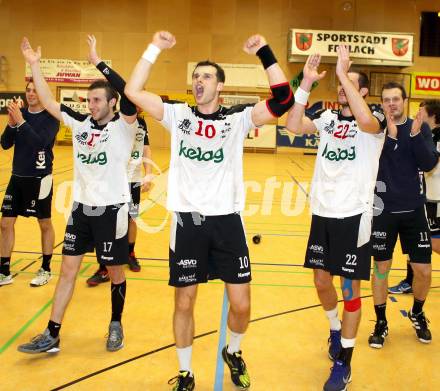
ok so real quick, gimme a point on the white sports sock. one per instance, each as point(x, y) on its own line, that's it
point(184, 356)
point(234, 342)
point(332, 315)
point(348, 343)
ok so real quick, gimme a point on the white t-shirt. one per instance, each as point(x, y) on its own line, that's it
point(134, 168)
point(100, 154)
point(346, 165)
point(206, 167)
point(432, 178)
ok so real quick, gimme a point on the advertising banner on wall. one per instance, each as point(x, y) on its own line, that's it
point(395, 49)
point(76, 99)
point(289, 139)
point(263, 137)
point(425, 83)
point(7, 97)
point(62, 70)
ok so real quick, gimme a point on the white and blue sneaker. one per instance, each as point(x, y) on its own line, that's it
point(340, 376)
point(400, 288)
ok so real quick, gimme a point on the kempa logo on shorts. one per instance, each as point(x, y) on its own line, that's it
point(317, 248)
point(423, 245)
point(340, 154)
point(190, 278)
point(100, 158)
point(69, 236)
point(187, 263)
point(241, 275)
point(198, 154)
point(104, 258)
point(379, 235)
point(346, 269)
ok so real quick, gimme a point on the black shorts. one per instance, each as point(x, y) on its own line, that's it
point(29, 197)
point(208, 247)
point(135, 190)
point(413, 230)
point(433, 218)
point(333, 247)
point(103, 228)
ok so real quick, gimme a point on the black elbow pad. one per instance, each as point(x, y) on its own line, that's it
point(282, 99)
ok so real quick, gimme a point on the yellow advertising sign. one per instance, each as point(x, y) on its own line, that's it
point(425, 83)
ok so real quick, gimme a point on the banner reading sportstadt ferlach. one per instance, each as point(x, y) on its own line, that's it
point(394, 49)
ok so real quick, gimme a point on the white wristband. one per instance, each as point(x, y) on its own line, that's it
point(301, 96)
point(151, 53)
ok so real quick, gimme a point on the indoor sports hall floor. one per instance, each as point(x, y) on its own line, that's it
point(285, 347)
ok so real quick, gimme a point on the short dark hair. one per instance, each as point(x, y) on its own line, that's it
point(362, 79)
point(394, 84)
point(110, 92)
point(220, 72)
point(432, 107)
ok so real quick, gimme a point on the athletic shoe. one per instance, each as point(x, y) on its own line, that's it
point(5, 280)
point(183, 382)
point(99, 277)
point(401, 287)
point(133, 263)
point(340, 376)
point(239, 373)
point(420, 323)
point(42, 343)
point(377, 337)
point(334, 344)
point(115, 340)
point(42, 278)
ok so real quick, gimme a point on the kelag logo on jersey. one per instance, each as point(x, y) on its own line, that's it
point(340, 154)
point(198, 154)
point(100, 158)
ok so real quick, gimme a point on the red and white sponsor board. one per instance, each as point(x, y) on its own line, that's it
point(425, 83)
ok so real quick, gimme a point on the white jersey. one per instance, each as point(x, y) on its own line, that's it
point(206, 167)
point(346, 165)
point(134, 168)
point(100, 154)
point(432, 178)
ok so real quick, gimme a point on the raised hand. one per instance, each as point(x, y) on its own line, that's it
point(343, 64)
point(417, 123)
point(254, 43)
point(92, 55)
point(29, 54)
point(164, 40)
point(310, 70)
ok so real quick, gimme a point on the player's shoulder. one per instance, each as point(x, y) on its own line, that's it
point(322, 113)
point(73, 114)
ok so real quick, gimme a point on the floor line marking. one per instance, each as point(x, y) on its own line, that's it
point(24, 327)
